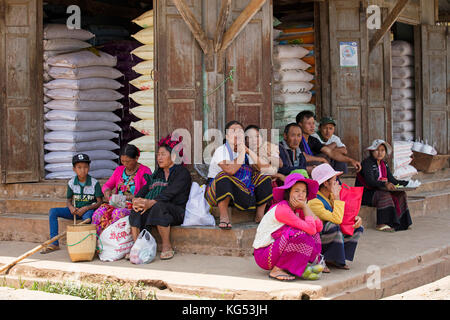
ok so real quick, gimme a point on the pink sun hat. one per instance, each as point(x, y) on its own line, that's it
point(324, 172)
point(293, 178)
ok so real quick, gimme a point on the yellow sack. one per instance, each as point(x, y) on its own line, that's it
point(144, 82)
point(145, 52)
point(144, 67)
point(145, 36)
point(145, 143)
point(148, 159)
point(146, 127)
point(143, 97)
point(144, 112)
point(145, 20)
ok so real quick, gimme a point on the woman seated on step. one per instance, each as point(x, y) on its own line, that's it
point(162, 200)
point(126, 180)
point(336, 246)
point(231, 179)
point(287, 238)
point(380, 189)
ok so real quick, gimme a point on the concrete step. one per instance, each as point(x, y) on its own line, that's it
point(402, 260)
point(30, 205)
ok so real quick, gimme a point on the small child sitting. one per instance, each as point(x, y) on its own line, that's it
point(84, 196)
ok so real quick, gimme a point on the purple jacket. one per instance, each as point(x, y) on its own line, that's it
point(116, 178)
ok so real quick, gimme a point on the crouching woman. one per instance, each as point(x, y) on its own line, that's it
point(287, 238)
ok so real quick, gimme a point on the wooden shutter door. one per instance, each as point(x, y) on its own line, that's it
point(21, 96)
point(435, 79)
point(179, 70)
point(249, 95)
point(379, 91)
point(348, 87)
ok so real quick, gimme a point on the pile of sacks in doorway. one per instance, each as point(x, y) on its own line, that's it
point(81, 96)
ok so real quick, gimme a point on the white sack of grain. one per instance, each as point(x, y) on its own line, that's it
point(403, 126)
point(83, 58)
point(144, 82)
point(402, 72)
point(292, 87)
point(398, 94)
point(145, 52)
point(403, 115)
point(82, 146)
point(289, 51)
point(145, 143)
point(144, 67)
point(74, 136)
point(143, 97)
point(145, 20)
point(66, 156)
point(60, 31)
point(81, 116)
point(65, 44)
point(94, 165)
point(146, 127)
point(403, 83)
point(292, 75)
point(84, 84)
point(401, 48)
point(145, 36)
point(284, 98)
point(402, 61)
point(68, 125)
point(79, 105)
point(85, 72)
point(145, 112)
point(87, 95)
point(403, 104)
point(290, 64)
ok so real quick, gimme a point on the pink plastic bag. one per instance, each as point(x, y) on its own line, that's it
point(352, 197)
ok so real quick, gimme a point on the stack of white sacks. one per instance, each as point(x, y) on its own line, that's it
point(402, 159)
point(292, 87)
point(79, 117)
point(145, 96)
point(403, 103)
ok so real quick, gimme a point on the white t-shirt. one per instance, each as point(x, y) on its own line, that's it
point(221, 154)
point(333, 138)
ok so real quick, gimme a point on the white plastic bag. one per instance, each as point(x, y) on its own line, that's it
point(144, 249)
point(197, 208)
point(116, 240)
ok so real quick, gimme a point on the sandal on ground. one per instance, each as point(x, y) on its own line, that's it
point(166, 255)
point(326, 270)
point(282, 277)
point(385, 228)
point(337, 266)
point(227, 224)
point(49, 248)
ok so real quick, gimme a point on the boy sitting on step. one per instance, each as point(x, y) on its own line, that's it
point(84, 196)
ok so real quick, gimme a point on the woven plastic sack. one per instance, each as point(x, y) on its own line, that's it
point(144, 82)
point(290, 64)
point(74, 136)
point(289, 51)
point(145, 97)
point(403, 83)
point(146, 112)
point(146, 127)
point(65, 44)
point(116, 240)
point(66, 156)
point(51, 53)
point(403, 115)
point(402, 61)
point(401, 48)
point(94, 165)
point(85, 72)
point(144, 67)
point(145, 20)
point(403, 126)
point(402, 72)
point(87, 95)
point(144, 249)
point(60, 31)
point(145, 36)
point(145, 52)
point(83, 58)
point(145, 143)
point(292, 75)
point(405, 136)
point(148, 159)
point(79, 105)
point(398, 94)
point(292, 87)
point(84, 84)
point(81, 116)
point(98, 174)
point(352, 196)
point(82, 146)
point(68, 125)
point(403, 104)
point(283, 98)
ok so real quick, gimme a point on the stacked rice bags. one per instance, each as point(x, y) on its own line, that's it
point(293, 80)
point(145, 96)
point(403, 103)
point(80, 117)
point(402, 159)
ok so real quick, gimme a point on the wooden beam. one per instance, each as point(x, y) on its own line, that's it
point(392, 17)
point(222, 23)
point(194, 26)
point(242, 20)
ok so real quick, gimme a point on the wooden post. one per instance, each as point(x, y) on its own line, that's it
point(221, 24)
point(195, 27)
point(36, 249)
point(239, 24)
point(393, 15)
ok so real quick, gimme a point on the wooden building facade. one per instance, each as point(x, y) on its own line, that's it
point(200, 43)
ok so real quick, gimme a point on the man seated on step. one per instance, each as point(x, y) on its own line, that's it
point(84, 196)
point(315, 152)
point(326, 136)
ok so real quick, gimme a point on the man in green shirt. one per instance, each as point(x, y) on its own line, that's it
point(84, 196)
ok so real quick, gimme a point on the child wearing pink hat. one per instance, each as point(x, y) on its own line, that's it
point(287, 238)
point(336, 246)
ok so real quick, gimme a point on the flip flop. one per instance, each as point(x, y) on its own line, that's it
point(49, 248)
point(228, 227)
point(166, 255)
point(385, 228)
point(282, 277)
